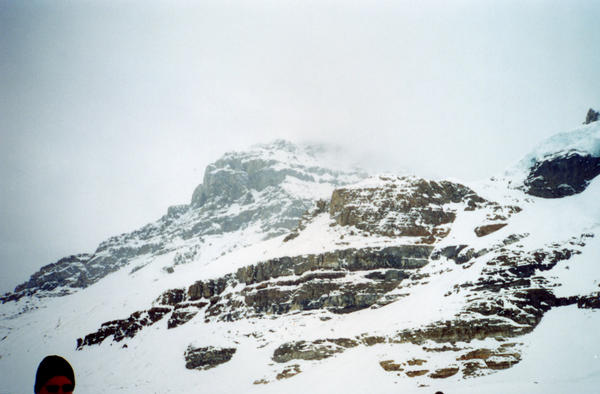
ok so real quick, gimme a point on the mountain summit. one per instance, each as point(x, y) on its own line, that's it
point(284, 273)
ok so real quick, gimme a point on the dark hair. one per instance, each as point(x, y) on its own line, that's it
point(50, 367)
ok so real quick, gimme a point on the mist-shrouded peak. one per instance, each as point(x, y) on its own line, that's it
point(238, 174)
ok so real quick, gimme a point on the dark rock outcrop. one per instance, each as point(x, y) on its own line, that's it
point(125, 328)
point(171, 297)
point(184, 312)
point(452, 331)
point(591, 116)
point(415, 373)
point(484, 361)
point(207, 357)
point(589, 302)
point(460, 254)
point(208, 289)
point(316, 350)
point(390, 365)
point(444, 373)
point(562, 176)
point(482, 231)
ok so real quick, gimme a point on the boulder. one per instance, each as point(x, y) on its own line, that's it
point(482, 231)
point(207, 357)
point(444, 373)
point(390, 365)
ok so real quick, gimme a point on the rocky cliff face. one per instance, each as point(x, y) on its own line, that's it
point(592, 116)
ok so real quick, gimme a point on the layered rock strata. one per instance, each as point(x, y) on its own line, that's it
point(341, 281)
point(508, 300)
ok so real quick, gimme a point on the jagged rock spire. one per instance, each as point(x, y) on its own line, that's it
point(592, 116)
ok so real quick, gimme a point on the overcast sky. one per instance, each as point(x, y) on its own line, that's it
point(109, 111)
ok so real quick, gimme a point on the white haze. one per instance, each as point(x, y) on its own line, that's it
point(109, 111)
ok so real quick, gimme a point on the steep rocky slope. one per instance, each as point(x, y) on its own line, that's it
point(298, 275)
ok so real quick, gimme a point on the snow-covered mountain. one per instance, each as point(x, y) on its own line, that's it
point(285, 274)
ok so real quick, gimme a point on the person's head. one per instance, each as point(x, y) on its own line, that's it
point(54, 375)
